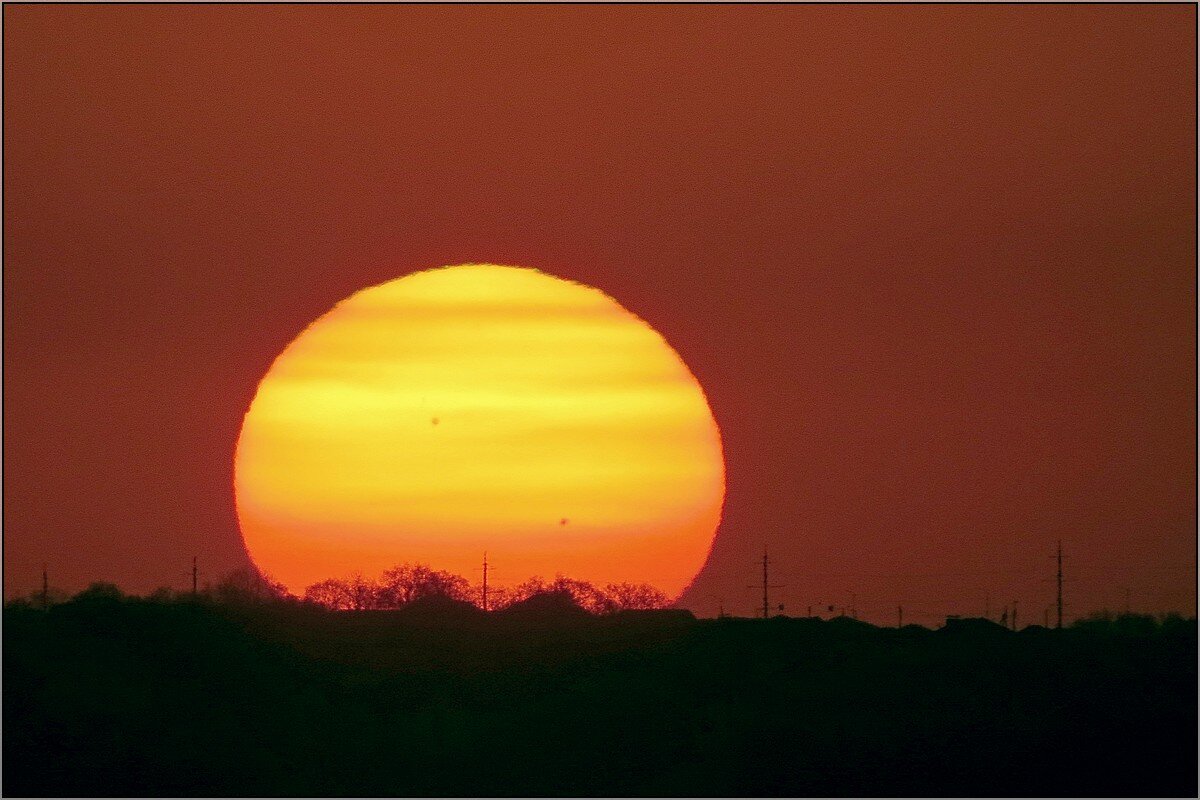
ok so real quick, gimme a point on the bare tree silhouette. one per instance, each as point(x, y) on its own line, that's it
point(635, 597)
point(331, 593)
point(248, 586)
point(406, 583)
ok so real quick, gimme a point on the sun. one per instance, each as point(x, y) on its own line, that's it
point(480, 408)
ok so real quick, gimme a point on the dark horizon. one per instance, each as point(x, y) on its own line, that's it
point(143, 698)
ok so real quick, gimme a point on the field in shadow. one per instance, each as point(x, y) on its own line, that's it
point(107, 696)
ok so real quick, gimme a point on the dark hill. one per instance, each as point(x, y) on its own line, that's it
point(134, 698)
point(439, 609)
point(547, 606)
point(973, 627)
point(654, 616)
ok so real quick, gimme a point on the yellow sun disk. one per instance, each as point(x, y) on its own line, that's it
point(472, 408)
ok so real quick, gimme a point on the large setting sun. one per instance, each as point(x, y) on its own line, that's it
point(480, 408)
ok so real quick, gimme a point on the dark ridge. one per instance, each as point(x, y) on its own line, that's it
point(551, 606)
point(106, 696)
point(440, 608)
point(654, 616)
point(973, 626)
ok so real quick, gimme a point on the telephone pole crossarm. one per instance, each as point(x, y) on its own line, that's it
point(765, 585)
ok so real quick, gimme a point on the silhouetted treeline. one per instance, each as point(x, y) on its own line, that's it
point(402, 585)
point(405, 583)
point(109, 695)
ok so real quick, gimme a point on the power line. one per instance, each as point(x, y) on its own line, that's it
point(1029, 570)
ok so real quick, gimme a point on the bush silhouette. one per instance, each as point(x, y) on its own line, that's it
point(99, 592)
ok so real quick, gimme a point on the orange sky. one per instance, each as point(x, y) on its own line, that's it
point(933, 265)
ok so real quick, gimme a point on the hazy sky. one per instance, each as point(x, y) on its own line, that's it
point(934, 266)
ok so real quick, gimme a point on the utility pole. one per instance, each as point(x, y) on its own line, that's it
point(1060, 584)
point(195, 573)
point(485, 604)
point(809, 614)
point(899, 616)
point(45, 589)
point(1014, 618)
point(766, 606)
